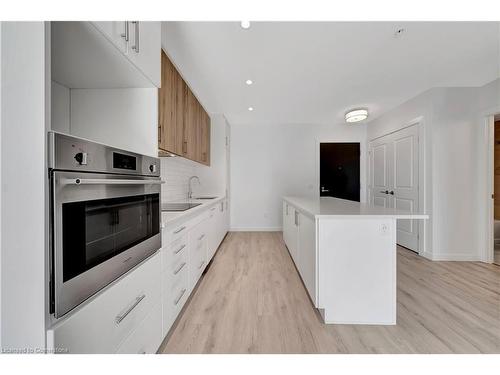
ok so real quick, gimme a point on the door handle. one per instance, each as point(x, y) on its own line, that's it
point(323, 190)
point(135, 47)
point(119, 318)
point(384, 191)
point(125, 35)
point(391, 192)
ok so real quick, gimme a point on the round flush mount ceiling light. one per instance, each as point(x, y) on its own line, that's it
point(356, 115)
point(248, 82)
point(245, 24)
point(250, 109)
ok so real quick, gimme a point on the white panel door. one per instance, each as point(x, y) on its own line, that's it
point(307, 254)
point(394, 179)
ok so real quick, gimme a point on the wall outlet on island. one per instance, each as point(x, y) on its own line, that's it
point(384, 229)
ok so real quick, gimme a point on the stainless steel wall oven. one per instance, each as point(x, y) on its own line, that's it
point(105, 216)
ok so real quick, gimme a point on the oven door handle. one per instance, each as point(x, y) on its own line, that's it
point(103, 181)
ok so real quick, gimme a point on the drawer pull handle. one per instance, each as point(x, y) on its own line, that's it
point(212, 209)
point(179, 230)
point(180, 268)
point(179, 249)
point(201, 265)
point(180, 296)
point(201, 237)
point(138, 300)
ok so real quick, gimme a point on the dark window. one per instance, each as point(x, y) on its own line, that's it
point(95, 231)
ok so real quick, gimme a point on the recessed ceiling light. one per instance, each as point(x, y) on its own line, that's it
point(249, 82)
point(245, 24)
point(250, 109)
point(356, 115)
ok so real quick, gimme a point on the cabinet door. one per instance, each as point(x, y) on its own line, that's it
point(286, 226)
point(307, 254)
point(180, 115)
point(204, 137)
point(167, 108)
point(189, 145)
point(293, 235)
point(145, 48)
point(115, 32)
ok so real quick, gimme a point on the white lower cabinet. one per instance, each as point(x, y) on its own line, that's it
point(299, 235)
point(188, 247)
point(307, 254)
point(147, 337)
point(104, 323)
point(291, 230)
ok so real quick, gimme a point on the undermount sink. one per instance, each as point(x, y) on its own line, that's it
point(178, 206)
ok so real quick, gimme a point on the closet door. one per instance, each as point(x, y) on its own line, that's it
point(394, 174)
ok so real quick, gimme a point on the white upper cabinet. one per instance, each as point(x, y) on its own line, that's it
point(144, 48)
point(117, 32)
point(106, 55)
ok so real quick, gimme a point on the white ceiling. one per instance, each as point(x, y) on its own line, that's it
point(312, 72)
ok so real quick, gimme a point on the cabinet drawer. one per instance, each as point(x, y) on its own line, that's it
point(147, 338)
point(103, 323)
point(174, 232)
point(175, 253)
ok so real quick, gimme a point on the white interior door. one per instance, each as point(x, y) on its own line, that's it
point(394, 179)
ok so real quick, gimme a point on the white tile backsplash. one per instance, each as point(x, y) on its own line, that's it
point(176, 172)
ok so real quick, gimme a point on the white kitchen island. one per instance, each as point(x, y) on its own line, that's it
point(345, 252)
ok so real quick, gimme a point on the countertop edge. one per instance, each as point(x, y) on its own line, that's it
point(191, 212)
point(307, 212)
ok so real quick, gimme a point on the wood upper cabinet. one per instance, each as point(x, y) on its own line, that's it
point(183, 124)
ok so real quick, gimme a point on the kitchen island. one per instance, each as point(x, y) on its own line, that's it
point(345, 253)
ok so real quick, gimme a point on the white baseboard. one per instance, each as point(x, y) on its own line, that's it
point(453, 257)
point(256, 229)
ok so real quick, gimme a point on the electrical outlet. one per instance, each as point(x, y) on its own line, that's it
point(384, 229)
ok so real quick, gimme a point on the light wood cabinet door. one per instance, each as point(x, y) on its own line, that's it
point(190, 136)
point(167, 108)
point(183, 124)
point(204, 138)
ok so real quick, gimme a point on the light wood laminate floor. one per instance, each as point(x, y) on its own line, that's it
point(251, 300)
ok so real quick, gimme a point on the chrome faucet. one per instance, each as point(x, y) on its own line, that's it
point(190, 189)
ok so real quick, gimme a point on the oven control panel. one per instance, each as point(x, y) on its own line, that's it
point(72, 153)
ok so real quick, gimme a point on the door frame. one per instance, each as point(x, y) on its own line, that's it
point(422, 168)
point(363, 183)
point(487, 252)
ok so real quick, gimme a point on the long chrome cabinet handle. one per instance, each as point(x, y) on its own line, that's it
point(179, 230)
point(138, 300)
point(180, 268)
point(135, 47)
point(179, 249)
point(104, 181)
point(180, 296)
point(201, 237)
point(126, 33)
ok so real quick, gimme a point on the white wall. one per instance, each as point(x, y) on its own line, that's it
point(60, 108)
point(123, 118)
point(177, 170)
point(268, 162)
point(455, 165)
point(23, 176)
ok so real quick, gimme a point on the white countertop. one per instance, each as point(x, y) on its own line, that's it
point(168, 217)
point(340, 208)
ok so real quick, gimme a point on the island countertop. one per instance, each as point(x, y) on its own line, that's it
point(329, 207)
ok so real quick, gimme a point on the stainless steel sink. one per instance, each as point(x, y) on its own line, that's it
point(178, 206)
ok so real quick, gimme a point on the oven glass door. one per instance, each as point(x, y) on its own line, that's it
point(103, 225)
point(97, 230)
